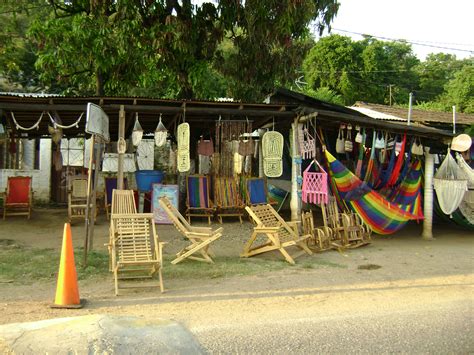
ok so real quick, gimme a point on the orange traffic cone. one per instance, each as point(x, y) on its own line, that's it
point(67, 290)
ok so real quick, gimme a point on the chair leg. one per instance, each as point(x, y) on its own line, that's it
point(116, 281)
point(162, 288)
point(287, 256)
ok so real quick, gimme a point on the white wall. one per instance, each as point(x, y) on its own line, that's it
point(41, 177)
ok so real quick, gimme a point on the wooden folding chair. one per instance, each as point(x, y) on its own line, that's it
point(110, 184)
point(257, 192)
point(123, 203)
point(136, 251)
point(228, 200)
point(200, 237)
point(77, 197)
point(321, 237)
point(198, 203)
point(280, 235)
point(18, 197)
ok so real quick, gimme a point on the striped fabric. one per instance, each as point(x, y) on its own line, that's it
point(383, 216)
point(198, 192)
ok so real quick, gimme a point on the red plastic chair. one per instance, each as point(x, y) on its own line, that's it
point(18, 197)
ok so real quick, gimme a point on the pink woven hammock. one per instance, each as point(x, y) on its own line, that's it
point(315, 185)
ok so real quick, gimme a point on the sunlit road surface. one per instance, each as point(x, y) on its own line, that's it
point(432, 315)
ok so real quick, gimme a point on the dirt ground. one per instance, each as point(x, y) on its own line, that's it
point(394, 261)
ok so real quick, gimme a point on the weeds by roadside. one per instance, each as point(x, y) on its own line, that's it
point(22, 265)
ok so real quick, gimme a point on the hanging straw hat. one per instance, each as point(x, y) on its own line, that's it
point(461, 143)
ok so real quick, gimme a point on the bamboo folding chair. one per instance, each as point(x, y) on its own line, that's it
point(136, 250)
point(321, 237)
point(228, 200)
point(280, 235)
point(123, 203)
point(18, 197)
point(110, 184)
point(198, 202)
point(257, 192)
point(200, 237)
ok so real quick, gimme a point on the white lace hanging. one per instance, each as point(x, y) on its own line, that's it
point(450, 184)
point(467, 170)
point(137, 132)
point(161, 133)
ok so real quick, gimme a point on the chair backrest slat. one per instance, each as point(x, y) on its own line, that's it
point(177, 218)
point(123, 202)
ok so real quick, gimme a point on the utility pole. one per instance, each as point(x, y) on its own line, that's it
point(390, 94)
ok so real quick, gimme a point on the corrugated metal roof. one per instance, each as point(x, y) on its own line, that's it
point(377, 115)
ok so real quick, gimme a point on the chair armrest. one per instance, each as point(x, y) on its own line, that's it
point(266, 229)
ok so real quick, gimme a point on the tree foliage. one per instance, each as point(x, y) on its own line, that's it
point(174, 48)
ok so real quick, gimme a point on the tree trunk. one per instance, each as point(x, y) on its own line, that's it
point(99, 90)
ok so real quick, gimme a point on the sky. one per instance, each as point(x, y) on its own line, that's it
point(442, 23)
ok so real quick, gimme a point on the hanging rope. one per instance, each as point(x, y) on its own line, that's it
point(75, 124)
point(36, 125)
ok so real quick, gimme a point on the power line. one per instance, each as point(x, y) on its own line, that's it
point(405, 41)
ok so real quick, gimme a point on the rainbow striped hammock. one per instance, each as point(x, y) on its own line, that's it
point(382, 215)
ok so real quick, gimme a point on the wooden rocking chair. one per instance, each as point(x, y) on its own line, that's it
point(321, 237)
point(348, 229)
point(136, 251)
point(228, 200)
point(198, 202)
point(279, 234)
point(200, 237)
point(18, 197)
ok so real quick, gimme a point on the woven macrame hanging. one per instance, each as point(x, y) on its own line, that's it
point(183, 147)
point(306, 142)
point(272, 149)
point(315, 185)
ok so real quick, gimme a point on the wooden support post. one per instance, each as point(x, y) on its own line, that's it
point(295, 203)
point(260, 154)
point(88, 198)
point(428, 197)
point(121, 134)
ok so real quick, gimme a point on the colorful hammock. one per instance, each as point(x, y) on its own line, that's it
point(382, 215)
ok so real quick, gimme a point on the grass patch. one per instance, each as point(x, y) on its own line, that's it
point(27, 265)
point(22, 265)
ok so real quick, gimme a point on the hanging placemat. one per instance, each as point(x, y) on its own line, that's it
point(137, 132)
point(183, 147)
point(161, 133)
point(315, 185)
point(272, 149)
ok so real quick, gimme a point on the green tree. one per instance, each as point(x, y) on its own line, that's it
point(115, 47)
point(361, 70)
point(459, 91)
point(434, 73)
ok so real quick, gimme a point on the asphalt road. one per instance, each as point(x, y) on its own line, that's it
point(420, 319)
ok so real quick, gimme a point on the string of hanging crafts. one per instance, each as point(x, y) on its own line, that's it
point(161, 134)
point(18, 126)
point(315, 183)
point(58, 125)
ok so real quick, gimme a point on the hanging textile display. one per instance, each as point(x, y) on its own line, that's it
point(183, 147)
point(340, 141)
point(246, 146)
point(137, 132)
point(226, 159)
point(272, 148)
point(306, 143)
point(382, 215)
point(348, 145)
point(161, 134)
point(450, 184)
point(468, 171)
point(205, 147)
point(315, 185)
